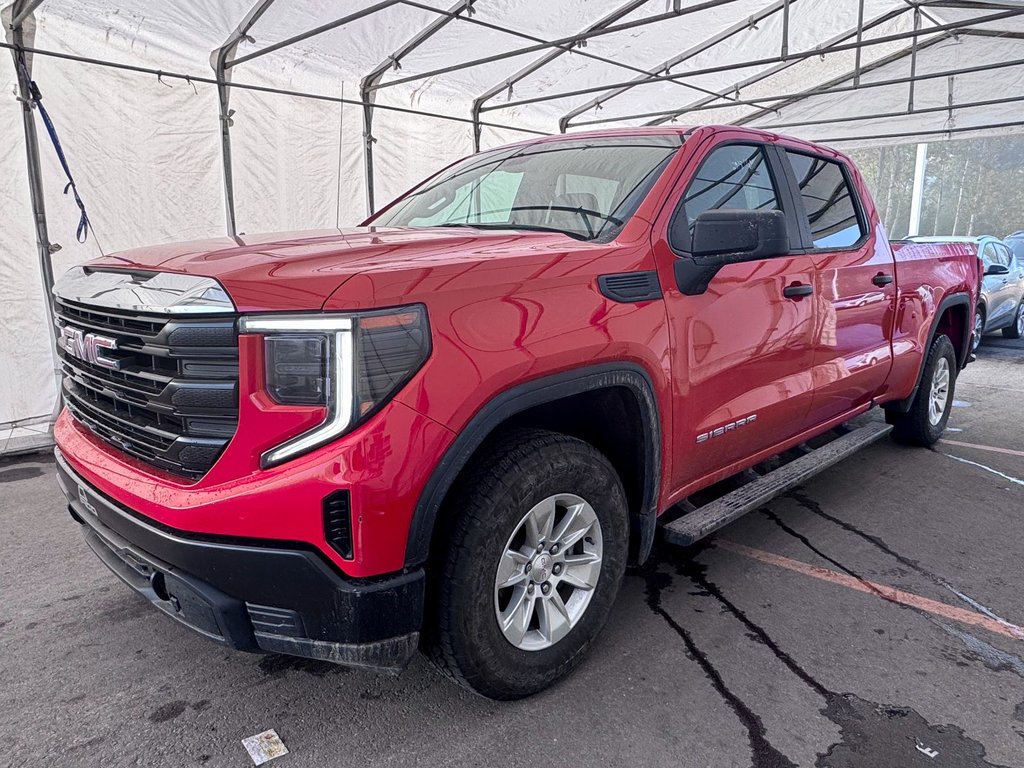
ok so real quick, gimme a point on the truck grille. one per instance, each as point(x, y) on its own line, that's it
point(167, 393)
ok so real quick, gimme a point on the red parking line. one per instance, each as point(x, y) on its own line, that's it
point(1007, 451)
point(883, 591)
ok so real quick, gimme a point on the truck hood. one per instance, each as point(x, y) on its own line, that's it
point(300, 270)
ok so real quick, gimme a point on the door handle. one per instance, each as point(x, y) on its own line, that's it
point(796, 290)
point(881, 279)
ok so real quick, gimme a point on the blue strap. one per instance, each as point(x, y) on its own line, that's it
point(82, 233)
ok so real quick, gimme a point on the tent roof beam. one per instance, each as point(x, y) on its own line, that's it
point(882, 115)
point(668, 115)
point(959, 27)
point(666, 66)
point(567, 43)
point(550, 56)
point(800, 95)
point(22, 9)
point(356, 15)
point(915, 134)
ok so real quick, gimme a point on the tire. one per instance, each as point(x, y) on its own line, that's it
point(1016, 329)
point(979, 328)
point(925, 421)
point(519, 474)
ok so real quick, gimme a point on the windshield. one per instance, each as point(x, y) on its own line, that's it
point(585, 188)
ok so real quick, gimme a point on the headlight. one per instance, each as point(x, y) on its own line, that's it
point(351, 364)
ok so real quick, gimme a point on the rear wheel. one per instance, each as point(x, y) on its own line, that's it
point(979, 328)
point(1016, 329)
point(534, 561)
point(925, 421)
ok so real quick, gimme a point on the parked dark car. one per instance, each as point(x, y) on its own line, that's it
point(1001, 304)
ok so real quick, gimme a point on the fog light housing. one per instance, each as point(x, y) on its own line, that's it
point(338, 523)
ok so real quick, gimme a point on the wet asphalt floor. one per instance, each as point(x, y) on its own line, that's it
point(870, 619)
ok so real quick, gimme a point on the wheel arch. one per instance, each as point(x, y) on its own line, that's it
point(954, 318)
point(631, 442)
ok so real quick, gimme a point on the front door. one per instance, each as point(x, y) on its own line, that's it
point(742, 351)
point(855, 289)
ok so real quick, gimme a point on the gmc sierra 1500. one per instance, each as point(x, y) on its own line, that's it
point(454, 425)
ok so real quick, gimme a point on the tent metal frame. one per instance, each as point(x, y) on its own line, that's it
point(225, 58)
point(19, 12)
point(958, 26)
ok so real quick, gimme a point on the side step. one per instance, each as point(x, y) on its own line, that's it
point(694, 526)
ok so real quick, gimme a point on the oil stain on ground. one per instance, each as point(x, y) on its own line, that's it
point(872, 735)
point(20, 473)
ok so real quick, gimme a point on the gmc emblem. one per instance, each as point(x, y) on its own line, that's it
point(87, 346)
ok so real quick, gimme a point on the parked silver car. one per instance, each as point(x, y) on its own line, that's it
point(1001, 305)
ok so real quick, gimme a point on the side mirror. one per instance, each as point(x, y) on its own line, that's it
point(997, 269)
point(726, 236)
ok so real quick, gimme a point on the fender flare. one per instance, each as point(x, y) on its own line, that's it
point(957, 299)
point(520, 398)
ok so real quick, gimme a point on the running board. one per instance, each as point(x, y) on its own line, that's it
point(695, 525)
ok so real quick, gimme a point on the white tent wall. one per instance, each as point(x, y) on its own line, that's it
point(146, 159)
point(146, 152)
point(27, 384)
point(290, 154)
point(403, 156)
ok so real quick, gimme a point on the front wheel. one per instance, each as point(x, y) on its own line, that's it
point(1016, 329)
point(925, 421)
point(535, 558)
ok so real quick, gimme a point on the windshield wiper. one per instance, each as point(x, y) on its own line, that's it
point(513, 226)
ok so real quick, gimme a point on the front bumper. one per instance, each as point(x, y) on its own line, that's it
point(253, 595)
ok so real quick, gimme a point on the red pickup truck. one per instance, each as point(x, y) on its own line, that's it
point(454, 426)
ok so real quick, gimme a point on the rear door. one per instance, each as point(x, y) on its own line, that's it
point(997, 289)
point(742, 351)
point(855, 288)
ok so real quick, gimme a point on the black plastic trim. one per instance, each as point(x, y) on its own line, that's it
point(334, 609)
point(528, 395)
point(629, 287)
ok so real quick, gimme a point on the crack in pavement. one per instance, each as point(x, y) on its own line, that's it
point(871, 735)
point(763, 754)
point(811, 505)
point(986, 653)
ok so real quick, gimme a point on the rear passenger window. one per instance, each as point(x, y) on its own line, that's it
point(828, 201)
point(732, 176)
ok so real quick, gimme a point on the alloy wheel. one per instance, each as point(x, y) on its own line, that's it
point(939, 395)
point(547, 573)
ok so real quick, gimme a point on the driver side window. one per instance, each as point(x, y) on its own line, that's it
point(732, 176)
